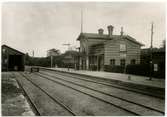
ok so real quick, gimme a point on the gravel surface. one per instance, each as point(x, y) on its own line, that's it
point(82, 104)
point(78, 102)
point(13, 102)
point(46, 106)
point(132, 96)
point(126, 105)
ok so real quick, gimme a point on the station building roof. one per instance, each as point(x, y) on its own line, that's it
point(106, 37)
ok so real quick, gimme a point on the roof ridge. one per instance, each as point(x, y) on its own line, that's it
point(106, 37)
point(99, 34)
point(13, 49)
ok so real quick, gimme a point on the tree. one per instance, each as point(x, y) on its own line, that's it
point(163, 44)
point(27, 59)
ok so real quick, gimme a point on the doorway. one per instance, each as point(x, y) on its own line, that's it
point(15, 63)
point(101, 63)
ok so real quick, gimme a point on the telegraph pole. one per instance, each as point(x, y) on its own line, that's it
point(51, 61)
point(81, 20)
point(32, 64)
point(151, 61)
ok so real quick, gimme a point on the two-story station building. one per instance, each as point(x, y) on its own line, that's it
point(98, 49)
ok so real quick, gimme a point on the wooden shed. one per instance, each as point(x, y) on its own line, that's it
point(12, 59)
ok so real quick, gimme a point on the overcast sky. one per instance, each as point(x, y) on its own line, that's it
point(42, 26)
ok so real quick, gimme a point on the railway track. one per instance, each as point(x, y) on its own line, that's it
point(31, 80)
point(146, 91)
point(126, 105)
point(33, 105)
point(67, 110)
point(104, 92)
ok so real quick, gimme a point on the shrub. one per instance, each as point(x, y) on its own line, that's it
point(137, 69)
point(144, 70)
point(116, 68)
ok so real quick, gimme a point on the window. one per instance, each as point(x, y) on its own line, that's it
point(122, 47)
point(112, 62)
point(122, 62)
point(133, 61)
point(122, 55)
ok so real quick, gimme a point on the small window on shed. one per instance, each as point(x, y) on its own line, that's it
point(112, 62)
point(133, 61)
point(3, 50)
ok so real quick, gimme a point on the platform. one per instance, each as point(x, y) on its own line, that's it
point(138, 80)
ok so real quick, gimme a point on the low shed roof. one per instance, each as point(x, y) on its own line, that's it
point(5, 46)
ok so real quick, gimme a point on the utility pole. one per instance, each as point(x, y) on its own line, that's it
point(151, 61)
point(81, 20)
point(51, 61)
point(32, 64)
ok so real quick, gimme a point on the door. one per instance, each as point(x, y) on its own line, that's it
point(101, 63)
point(15, 62)
point(84, 64)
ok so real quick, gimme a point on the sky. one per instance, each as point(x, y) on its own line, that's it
point(41, 26)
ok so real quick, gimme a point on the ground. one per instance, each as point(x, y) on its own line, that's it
point(77, 95)
point(13, 101)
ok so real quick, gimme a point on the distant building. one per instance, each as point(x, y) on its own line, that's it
point(69, 58)
point(53, 52)
point(12, 59)
point(98, 49)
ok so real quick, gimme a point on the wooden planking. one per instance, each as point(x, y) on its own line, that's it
point(112, 51)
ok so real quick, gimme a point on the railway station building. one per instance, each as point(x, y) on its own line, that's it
point(12, 59)
point(99, 49)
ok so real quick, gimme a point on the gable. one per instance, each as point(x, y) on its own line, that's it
point(11, 51)
point(133, 40)
point(123, 41)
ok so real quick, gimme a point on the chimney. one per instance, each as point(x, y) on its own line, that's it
point(122, 31)
point(110, 30)
point(100, 31)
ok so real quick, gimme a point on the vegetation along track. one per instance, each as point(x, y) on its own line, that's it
point(56, 100)
point(146, 91)
point(137, 109)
